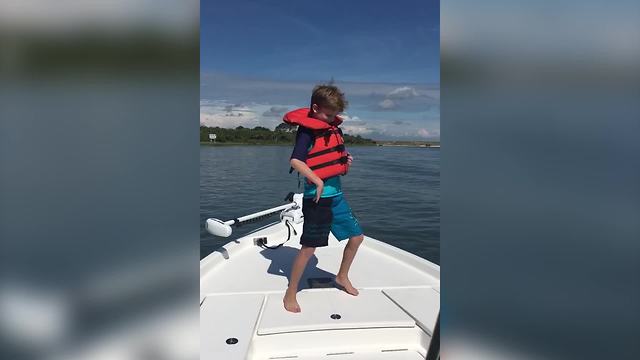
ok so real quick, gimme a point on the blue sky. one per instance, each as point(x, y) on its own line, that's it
point(260, 59)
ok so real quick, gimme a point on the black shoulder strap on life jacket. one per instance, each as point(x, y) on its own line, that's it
point(342, 160)
point(326, 151)
point(322, 133)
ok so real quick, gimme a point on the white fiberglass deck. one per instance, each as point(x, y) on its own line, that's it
point(376, 265)
point(242, 314)
point(370, 309)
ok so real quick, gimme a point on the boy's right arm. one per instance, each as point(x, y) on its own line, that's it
point(305, 171)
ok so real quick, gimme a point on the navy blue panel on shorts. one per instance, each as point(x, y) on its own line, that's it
point(317, 222)
point(331, 214)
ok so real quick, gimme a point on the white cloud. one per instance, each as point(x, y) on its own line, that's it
point(387, 104)
point(353, 125)
point(404, 92)
point(225, 120)
point(409, 99)
point(219, 85)
point(346, 118)
point(225, 114)
point(431, 134)
point(356, 130)
point(275, 111)
point(378, 116)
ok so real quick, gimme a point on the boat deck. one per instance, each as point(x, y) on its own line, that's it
point(242, 314)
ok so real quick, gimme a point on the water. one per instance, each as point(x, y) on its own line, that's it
point(393, 191)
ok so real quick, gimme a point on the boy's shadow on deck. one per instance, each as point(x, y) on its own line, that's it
point(282, 262)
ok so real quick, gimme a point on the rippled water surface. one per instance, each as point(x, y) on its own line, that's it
point(394, 191)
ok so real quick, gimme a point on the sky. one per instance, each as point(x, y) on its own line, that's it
point(261, 59)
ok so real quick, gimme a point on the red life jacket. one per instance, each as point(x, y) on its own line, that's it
point(328, 155)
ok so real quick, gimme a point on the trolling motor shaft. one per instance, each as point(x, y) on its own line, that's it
point(221, 228)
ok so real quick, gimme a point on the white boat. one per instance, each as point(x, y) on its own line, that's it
point(242, 284)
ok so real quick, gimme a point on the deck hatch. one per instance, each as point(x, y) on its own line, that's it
point(422, 303)
point(225, 333)
point(370, 309)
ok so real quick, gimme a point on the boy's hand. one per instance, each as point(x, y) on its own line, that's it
point(349, 161)
point(305, 171)
point(319, 189)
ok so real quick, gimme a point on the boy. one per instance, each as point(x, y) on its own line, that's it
point(320, 156)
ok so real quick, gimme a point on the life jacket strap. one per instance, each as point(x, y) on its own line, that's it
point(326, 151)
point(342, 160)
point(318, 134)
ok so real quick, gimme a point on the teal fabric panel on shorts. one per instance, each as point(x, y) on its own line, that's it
point(344, 224)
point(332, 187)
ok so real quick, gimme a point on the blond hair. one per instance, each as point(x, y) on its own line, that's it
point(329, 96)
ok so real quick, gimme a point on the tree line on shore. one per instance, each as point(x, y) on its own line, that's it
point(282, 134)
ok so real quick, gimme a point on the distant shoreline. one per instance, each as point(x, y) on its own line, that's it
point(432, 145)
point(283, 134)
point(208, 143)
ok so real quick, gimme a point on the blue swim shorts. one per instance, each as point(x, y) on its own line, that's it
point(329, 214)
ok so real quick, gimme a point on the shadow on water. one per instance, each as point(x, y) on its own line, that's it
point(282, 260)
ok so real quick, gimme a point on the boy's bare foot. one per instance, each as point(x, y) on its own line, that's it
point(346, 285)
point(290, 302)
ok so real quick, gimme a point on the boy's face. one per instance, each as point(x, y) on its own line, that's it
point(323, 113)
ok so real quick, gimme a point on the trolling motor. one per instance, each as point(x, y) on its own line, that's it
point(223, 228)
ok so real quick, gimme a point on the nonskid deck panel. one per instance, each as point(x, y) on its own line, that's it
point(330, 310)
